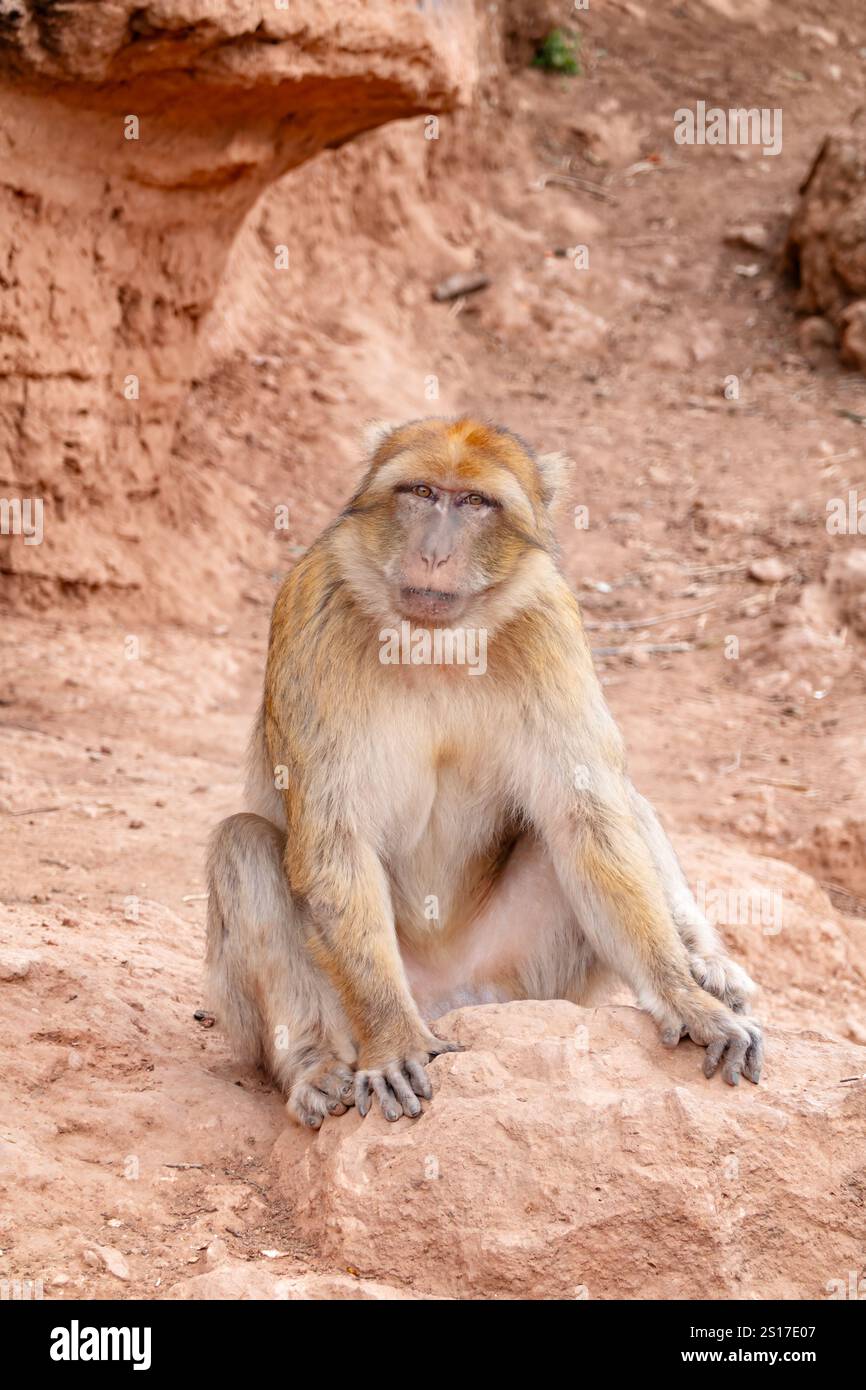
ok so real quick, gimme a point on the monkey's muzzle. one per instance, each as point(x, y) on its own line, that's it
point(429, 603)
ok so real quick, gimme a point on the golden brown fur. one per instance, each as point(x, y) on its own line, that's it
point(425, 811)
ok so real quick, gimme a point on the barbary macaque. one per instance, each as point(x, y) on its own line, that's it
point(425, 834)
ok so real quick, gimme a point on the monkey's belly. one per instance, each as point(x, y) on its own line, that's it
point(493, 955)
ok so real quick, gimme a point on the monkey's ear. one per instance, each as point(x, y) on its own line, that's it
point(555, 471)
point(375, 432)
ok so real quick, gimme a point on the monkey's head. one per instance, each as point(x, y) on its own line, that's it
point(452, 523)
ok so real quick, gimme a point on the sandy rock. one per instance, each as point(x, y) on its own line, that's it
point(137, 140)
point(835, 851)
point(566, 1154)
point(826, 246)
point(15, 964)
point(816, 336)
point(855, 1029)
point(846, 581)
point(809, 640)
point(110, 1259)
point(852, 322)
point(780, 924)
point(257, 1281)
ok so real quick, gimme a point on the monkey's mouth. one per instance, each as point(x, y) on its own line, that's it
point(429, 603)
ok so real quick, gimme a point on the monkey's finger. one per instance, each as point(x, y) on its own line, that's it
point(419, 1079)
point(310, 1119)
point(670, 1036)
point(403, 1091)
point(713, 1055)
point(391, 1107)
point(734, 1058)
point(338, 1085)
point(754, 1059)
point(363, 1098)
point(325, 1097)
point(308, 1105)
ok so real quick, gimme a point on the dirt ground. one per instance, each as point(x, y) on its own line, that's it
point(130, 1140)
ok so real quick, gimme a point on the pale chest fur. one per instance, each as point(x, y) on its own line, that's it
point(441, 770)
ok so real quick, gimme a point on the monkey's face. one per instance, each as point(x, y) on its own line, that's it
point(449, 546)
point(449, 518)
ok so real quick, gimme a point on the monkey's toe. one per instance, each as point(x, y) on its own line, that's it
point(740, 1052)
point(397, 1086)
point(329, 1090)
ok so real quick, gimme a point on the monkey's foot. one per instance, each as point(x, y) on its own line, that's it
point(327, 1088)
point(398, 1083)
point(730, 1039)
point(723, 978)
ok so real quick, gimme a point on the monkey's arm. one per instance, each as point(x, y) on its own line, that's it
point(710, 965)
point(352, 936)
point(584, 810)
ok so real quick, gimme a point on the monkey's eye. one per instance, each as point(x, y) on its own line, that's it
point(474, 499)
point(422, 490)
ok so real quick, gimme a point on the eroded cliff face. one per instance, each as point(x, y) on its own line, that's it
point(826, 245)
point(134, 139)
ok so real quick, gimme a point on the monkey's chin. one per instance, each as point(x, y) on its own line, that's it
point(430, 605)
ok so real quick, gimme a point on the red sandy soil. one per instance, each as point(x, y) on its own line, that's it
point(113, 770)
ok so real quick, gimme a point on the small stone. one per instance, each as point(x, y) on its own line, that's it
point(817, 31)
point(217, 1253)
point(815, 334)
point(856, 1031)
point(110, 1258)
point(771, 570)
point(15, 964)
point(751, 235)
point(468, 282)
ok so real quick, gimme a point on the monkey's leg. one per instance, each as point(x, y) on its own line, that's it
point(710, 966)
point(277, 1006)
point(606, 868)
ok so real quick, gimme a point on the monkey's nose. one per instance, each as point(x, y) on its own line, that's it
point(434, 559)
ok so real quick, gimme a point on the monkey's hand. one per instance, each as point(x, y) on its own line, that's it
point(722, 977)
point(399, 1082)
point(730, 1039)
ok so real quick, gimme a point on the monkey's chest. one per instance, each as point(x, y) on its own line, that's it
point(452, 839)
